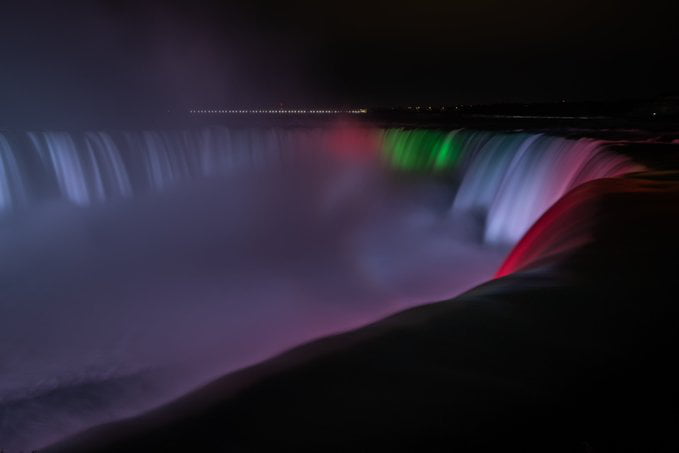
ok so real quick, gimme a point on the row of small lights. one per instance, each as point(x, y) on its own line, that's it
point(322, 112)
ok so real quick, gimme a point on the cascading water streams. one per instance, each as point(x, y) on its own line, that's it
point(94, 167)
point(11, 182)
point(507, 179)
point(158, 260)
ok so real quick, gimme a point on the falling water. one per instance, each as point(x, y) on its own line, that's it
point(138, 265)
point(95, 167)
point(508, 179)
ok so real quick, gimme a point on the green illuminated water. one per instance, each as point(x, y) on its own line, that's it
point(421, 150)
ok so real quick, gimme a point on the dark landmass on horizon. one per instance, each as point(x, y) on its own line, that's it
point(660, 113)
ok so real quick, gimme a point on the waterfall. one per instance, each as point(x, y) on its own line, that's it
point(11, 181)
point(507, 179)
point(138, 265)
point(95, 167)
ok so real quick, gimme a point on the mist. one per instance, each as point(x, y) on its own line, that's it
point(114, 308)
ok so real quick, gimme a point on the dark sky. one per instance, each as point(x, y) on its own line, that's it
point(75, 57)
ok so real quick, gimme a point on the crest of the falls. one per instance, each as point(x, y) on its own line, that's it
point(514, 178)
point(95, 167)
point(507, 180)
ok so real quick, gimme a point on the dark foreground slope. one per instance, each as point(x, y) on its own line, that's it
point(576, 354)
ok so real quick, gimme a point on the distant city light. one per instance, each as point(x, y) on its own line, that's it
point(282, 111)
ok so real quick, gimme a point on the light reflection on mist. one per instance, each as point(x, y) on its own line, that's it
point(134, 273)
point(111, 309)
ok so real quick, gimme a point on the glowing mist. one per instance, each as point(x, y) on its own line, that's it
point(139, 265)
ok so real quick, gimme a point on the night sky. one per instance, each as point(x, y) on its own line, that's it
point(78, 57)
